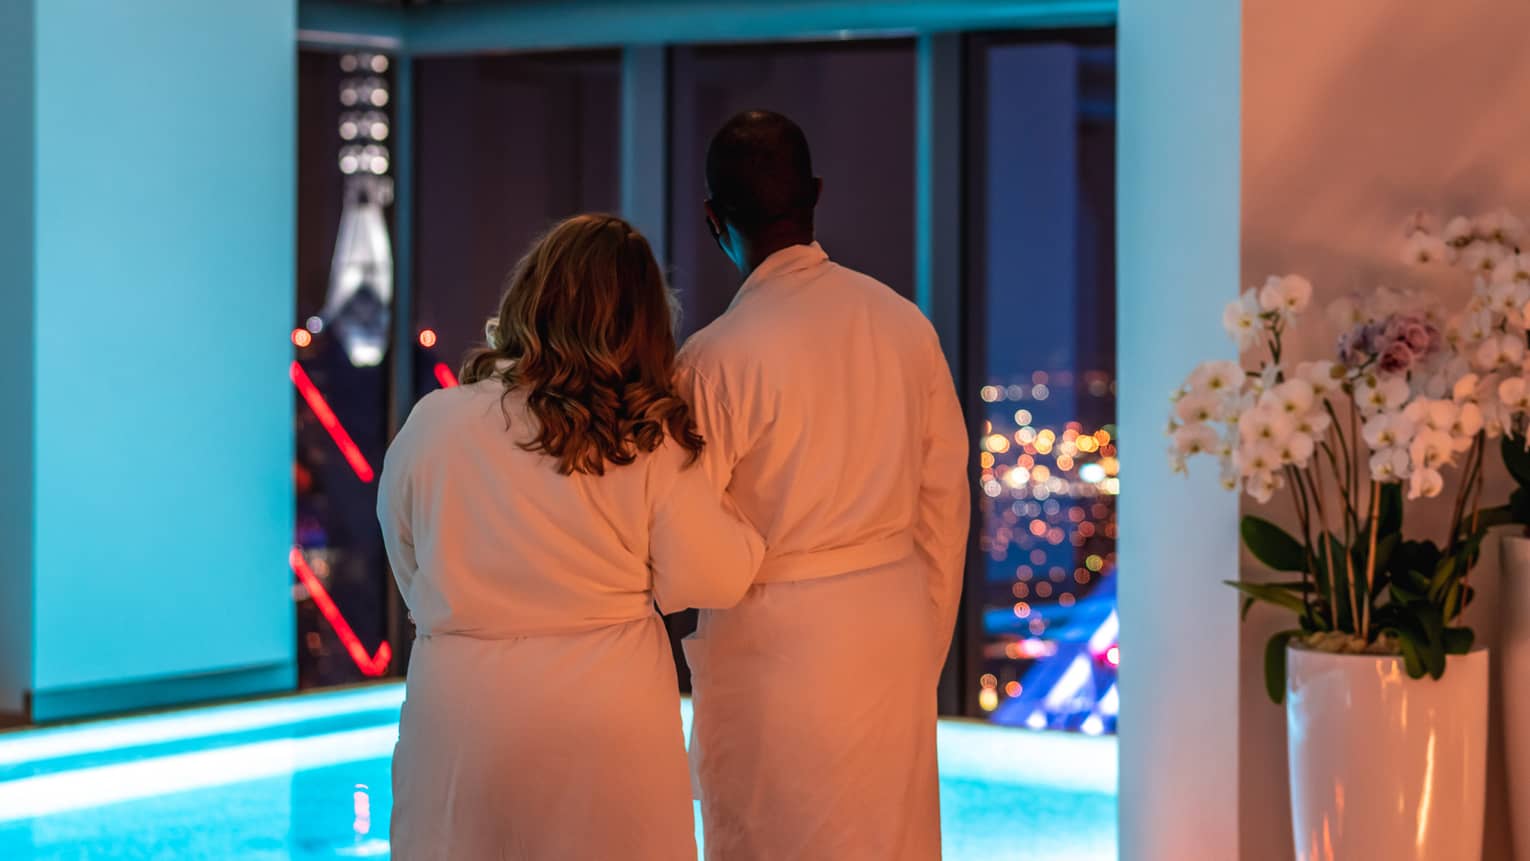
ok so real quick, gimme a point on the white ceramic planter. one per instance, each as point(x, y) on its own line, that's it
point(1384, 766)
point(1514, 649)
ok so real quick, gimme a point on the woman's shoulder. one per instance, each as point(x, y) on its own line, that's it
point(450, 411)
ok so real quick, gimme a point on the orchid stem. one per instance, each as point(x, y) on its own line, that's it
point(1370, 563)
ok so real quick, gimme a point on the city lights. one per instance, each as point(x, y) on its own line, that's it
point(1048, 489)
point(370, 665)
point(326, 416)
point(988, 699)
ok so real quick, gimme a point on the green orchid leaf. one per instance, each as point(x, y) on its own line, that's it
point(1385, 549)
point(1412, 662)
point(1451, 605)
point(1403, 623)
point(1272, 545)
point(1444, 573)
point(1380, 584)
point(1270, 593)
point(1519, 506)
point(1503, 515)
point(1412, 581)
point(1414, 556)
point(1516, 458)
point(1471, 547)
point(1388, 616)
point(1275, 665)
point(1458, 641)
point(1432, 648)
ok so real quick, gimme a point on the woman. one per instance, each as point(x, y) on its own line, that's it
point(533, 516)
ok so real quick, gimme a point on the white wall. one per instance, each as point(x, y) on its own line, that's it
point(1178, 245)
point(1354, 114)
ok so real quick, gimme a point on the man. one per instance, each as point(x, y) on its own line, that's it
point(830, 415)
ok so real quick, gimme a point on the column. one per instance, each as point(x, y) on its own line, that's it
point(1178, 245)
point(146, 453)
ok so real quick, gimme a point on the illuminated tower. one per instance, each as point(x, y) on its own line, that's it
point(361, 276)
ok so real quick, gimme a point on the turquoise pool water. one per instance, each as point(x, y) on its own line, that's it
point(306, 778)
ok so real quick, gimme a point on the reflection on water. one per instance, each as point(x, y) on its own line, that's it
point(312, 815)
point(1004, 794)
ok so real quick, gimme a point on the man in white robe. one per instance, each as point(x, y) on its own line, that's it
point(830, 415)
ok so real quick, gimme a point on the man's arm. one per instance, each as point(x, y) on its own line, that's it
point(945, 502)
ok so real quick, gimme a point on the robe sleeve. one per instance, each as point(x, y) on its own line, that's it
point(945, 502)
point(395, 501)
point(703, 552)
point(715, 421)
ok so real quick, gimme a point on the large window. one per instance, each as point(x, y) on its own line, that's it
point(1041, 281)
point(508, 144)
point(505, 144)
point(865, 219)
point(341, 338)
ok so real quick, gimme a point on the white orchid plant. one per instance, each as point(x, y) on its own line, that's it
point(1490, 333)
point(1410, 396)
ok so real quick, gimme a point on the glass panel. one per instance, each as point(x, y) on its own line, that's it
point(340, 375)
point(1042, 274)
point(507, 144)
point(865, 156)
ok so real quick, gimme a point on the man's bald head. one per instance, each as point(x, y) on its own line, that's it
point(760, 173)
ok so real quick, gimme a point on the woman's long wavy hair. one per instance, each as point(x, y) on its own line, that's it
point(586, 331)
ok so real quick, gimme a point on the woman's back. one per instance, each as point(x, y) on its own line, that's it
point(528, 585)
point(504, 545)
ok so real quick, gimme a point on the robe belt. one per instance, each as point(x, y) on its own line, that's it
point(816, 564)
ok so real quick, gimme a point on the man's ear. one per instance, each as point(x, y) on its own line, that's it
point(714, 224)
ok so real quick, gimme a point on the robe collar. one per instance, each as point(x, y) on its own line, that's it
point(787, 261)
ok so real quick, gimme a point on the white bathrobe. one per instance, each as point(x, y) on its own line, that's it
point(542, 719)
point(831, 417)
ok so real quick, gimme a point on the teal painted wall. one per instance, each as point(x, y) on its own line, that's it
point(164, 217)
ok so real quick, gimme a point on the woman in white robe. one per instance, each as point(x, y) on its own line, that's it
point(533, 516)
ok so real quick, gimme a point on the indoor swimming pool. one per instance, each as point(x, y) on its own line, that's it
point(306, 777)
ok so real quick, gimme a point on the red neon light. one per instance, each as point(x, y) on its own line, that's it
point(445, 376)
point(370, 665)
point(326, 417)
